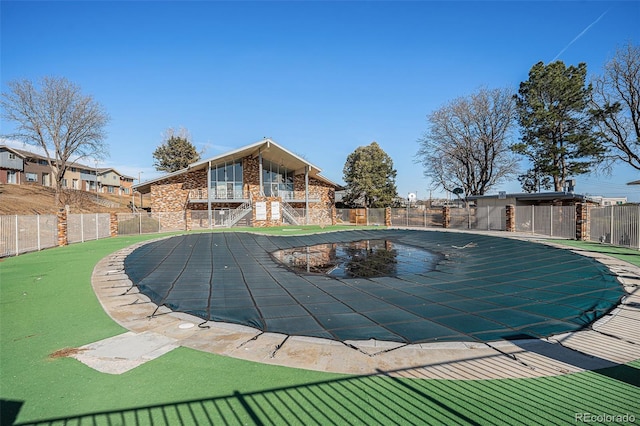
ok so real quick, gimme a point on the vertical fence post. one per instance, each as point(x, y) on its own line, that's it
point(97, 228)
point(638, 229)
point(17, 235)
point(533, 219)
point(611, 227)
point(38, 228)
point(488, 218)
point(140, 223)
point(551, 220)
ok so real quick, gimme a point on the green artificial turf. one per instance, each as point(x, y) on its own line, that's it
point(47, 304)
point(628, 255)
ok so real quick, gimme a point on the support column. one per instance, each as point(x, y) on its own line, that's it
point(188, 219)
point(113, 224)
point(582, 222)
point(510, 212)
point(62, 228)
point(387, 216)
point(446, 216)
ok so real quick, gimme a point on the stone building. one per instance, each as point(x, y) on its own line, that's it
point(262, 184)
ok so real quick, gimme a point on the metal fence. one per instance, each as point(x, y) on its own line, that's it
point(85, 227)
point(616, 225)
point(148, 223)
point(21, 234)
point(554, 221)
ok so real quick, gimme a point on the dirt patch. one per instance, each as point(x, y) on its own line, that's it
point(29, 199)
point(66, 352)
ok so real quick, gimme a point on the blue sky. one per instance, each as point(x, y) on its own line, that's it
point(320, 78)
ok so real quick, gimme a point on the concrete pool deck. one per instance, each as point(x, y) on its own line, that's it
point(154, 331)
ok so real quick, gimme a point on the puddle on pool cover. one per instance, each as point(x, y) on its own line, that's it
point(359, 259)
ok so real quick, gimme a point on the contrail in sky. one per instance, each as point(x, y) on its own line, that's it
point(580, 35)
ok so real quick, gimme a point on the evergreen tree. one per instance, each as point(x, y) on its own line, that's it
point(370, 177)
point(557, 129)
point(176, 153)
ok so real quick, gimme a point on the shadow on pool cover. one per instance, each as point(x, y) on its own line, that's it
point(481, 288)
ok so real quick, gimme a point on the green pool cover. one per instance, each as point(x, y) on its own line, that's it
point(417, 286)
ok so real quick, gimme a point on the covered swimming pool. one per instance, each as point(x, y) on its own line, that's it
point(426, 286)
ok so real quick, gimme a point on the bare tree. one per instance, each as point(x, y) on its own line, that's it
point(58, 118)
point(616, 106)
point(467, 144)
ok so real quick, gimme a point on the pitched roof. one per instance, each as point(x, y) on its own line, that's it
point(267, 148)
point(13, 150)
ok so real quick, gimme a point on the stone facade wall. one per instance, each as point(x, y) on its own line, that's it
point(172, 194)
point(270, 221)
point(321, 211)
point(251, 176)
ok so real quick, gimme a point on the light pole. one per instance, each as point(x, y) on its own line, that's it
point(139, 181)
point(96, 163)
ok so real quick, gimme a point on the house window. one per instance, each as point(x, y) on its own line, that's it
point(11, 176)
point(12, 156)
point(31, 177)
point(277, 180)
point(64, 182)
point(226, 181)
point(75, 184)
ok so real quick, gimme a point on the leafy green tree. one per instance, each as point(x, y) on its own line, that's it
point(176, 153)
point(370, 177)
point(557, 128)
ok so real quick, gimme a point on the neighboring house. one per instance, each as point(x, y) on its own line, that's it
point(19, 166)
point(262, 183)
point(80, 177)
point(610, 201)
point(110, 181)
point(11, 165)
point(36, 169)
point(126, 184)
point(531, 199)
